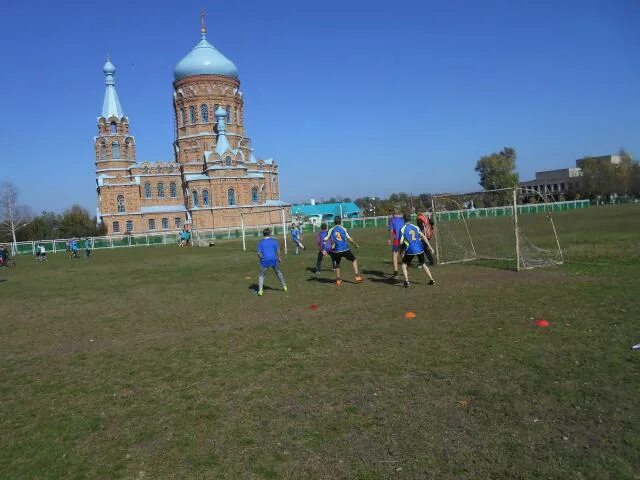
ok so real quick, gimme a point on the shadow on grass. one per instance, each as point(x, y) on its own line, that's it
point(324, 280)
point(254, 287)
point(3, 280)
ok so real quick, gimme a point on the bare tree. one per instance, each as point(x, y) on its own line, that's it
point(13, 217)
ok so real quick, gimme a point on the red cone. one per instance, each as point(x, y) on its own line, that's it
point(314, 307)
point(541, 322)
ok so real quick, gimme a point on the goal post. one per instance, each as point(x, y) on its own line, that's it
point(494, 225)
point(282, 223)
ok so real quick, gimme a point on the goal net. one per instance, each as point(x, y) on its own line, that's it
point(495, 225)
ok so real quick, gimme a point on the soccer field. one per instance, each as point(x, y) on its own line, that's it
point(162, 362)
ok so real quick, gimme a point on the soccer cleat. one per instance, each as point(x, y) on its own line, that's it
point(395, 274)
point(284, 288)
point(338, 282)
point(407, 284)
point(358, 279)
point(432, 282)
point(260, 293)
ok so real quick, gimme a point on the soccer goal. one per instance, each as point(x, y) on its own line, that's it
point(494, 225)
point(256, 230)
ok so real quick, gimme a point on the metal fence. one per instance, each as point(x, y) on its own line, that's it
point(203, 236)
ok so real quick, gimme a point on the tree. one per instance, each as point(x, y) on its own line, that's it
point(498, 170)
point(13, 216)
point(76, 222)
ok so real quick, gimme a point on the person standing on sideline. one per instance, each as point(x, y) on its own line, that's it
point(411, 240)
point(269, 255)
point(324, 248)
point(296, 235)
point(395, 225)
point(340, 239)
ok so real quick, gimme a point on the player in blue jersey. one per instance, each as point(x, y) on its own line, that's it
point(324, 247)
point(296, 235)
point(269, 255)
point(411, 238)
point(395, 225)
point(339, 240)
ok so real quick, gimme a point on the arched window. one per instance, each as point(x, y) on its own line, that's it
point(227, 161)
point(195, 198)
point(231, 196)
point(160, 190)
point(204, 114)
point(152, 224)
point(103, 151)
point(147, 190)
point(192, 114)
point(114, 128)
point(178, 222)
point(228, 114)
point(116, 227)
point(129, 226)
point(215, 109)
point(120, 204)
point(254, 194)
point(183, 117)
point(173, 191)
point(127, 149)
point(115, 150)
point(165, 224)
point(205, 198)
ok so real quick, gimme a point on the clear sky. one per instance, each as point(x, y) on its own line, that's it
point(351, 97)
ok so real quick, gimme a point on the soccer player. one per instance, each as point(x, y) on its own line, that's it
point(74, 248)
point(425, 224)
point(411, 239)
point(269, 255)
point(395, 225)
point(296, 235)
point(339, 239)
point(324, 248)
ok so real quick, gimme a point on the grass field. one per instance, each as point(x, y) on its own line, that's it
point(162, 363)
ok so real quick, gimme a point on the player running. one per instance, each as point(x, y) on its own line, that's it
point(296, 235)
point(395, 225)
point(269, 255)
point(339, 240)
point(411, 239)
point(324, 248)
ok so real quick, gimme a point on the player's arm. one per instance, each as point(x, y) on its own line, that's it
point(426, 240)
point(391, 233)
point(349, 239)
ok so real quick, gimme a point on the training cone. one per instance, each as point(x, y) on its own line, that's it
point(409, 315)
point(541, 322)
point(314, 307)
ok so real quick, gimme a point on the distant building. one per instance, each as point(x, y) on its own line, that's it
point(563, 182)
point(214, 177)
point(325, 212)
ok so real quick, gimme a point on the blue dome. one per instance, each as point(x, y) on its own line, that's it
point(205, 59)
point(109, 68)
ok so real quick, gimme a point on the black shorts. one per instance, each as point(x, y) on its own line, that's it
point(408, 258)
point(337, 256)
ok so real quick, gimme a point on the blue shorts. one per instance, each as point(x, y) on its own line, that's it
point(395, 247)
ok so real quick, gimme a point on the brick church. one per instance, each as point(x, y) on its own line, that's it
point(214, 177)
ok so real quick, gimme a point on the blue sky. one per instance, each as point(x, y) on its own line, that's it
point(352, 98)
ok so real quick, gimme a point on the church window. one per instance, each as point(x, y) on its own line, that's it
point(228, 114)
point(178, 222)
point(120, 204)
point(183, 118)
point(165, 224)
point(147, 190)
point(115, 150)
point(127, 149)
point(231, 196)
point(173, 191)
point(116, 227)
point(192, 114)
point(254, 194)
point(152, 224)
point(160, 190)
point(114, 128)
point(205, 198)
point(195, 198)
point(103, 151)
point(204, 114)
point(129, 226)
point(227, 161)
point(215, 108)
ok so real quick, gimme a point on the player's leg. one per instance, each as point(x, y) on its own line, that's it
point(426, 269)
point(261, 279)
point(406, 261)
point(280, 277)
point(336, 260)
point(394, 258)
point(319, 262)
point(354, 262)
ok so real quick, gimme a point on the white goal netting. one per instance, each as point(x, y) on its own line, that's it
point(496, 226)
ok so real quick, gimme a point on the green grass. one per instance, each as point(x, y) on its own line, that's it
point(162, 362)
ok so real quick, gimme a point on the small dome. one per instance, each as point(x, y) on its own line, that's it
point(205, 59)
point(220, 112)
point(109, 68)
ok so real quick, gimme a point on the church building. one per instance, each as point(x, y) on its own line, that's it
point(214, 177)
